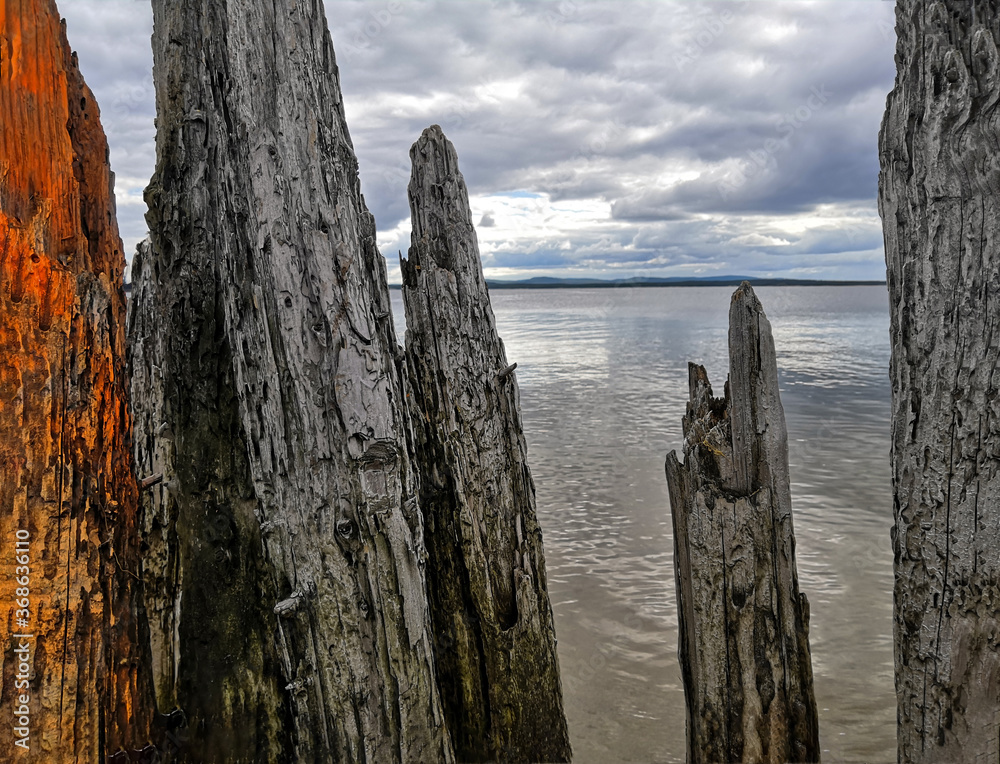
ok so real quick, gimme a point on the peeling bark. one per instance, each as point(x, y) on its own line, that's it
point(496, 660)
point(290, 616)
point(937, 197)
point(744, 625)
point(65, 434)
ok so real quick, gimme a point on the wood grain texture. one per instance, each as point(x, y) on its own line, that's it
point(940, 176)
point(290, 619)
point(496, 662)
point(66, 473)
point(744, 625)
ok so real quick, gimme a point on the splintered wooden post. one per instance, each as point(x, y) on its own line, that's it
point(284, 573)
point(744, 626)
point(496, 657)
point(938, 193)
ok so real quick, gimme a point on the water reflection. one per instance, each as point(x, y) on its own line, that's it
point(603, 378)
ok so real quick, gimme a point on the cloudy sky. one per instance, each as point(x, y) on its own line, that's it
point(607, 139)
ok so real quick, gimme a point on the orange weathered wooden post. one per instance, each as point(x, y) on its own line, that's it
point(75, 688)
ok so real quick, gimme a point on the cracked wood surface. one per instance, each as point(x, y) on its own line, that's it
point(743, 624)
point(939, 183)
point(66, 475)
point(289, 614)
point(496, 661)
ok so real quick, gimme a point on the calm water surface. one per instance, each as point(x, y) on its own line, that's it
point(603, 378)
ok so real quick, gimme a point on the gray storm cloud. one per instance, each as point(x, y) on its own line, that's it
point(645, 138)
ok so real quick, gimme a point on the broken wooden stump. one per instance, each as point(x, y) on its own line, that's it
point(496, 660)
point(743, 641)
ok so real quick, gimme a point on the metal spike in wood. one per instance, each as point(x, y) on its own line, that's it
point(744, 625)
point(284, 577)
point(938, 192)
point(497, 665)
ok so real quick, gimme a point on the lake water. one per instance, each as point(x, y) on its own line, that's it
point(603, 379)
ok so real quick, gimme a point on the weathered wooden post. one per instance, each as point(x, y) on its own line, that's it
point(496, 663)
point(288, 599)
point(744, 626)
point(938, 193)
point(76, 686)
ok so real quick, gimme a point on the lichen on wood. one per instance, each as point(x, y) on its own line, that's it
point(743, 624)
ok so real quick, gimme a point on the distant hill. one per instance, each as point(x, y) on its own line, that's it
point(548, 282)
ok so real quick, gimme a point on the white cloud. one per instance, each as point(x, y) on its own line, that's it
point(625, 122)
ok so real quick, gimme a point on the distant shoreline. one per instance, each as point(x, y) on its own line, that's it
point(599, 284)
point(618, 284)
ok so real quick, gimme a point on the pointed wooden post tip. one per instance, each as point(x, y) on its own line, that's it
point(745, 294)
point(504, 654)
point(697, 376)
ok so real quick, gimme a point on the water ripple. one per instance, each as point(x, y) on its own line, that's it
point(603, 380)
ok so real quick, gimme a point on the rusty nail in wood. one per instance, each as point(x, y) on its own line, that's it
point(150, 481)
point(506, 372)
